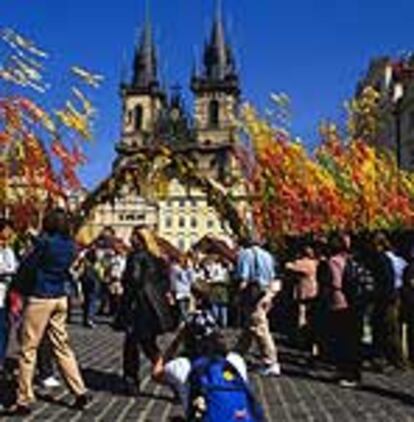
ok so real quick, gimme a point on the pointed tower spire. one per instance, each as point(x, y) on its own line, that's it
point(145, 72)
point(218, 58)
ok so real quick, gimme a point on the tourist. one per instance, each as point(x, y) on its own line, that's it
point(182, 277)
point(219, 276)
point(8, 266)
point(386, 312)
point(46, 312)
point(408, 304)
point(104, 250)
point(342, 317)
point(117, 267)
point(204, 350)
point(90, 281)
point(146, 304)
point(305, 268)
point(256, 272)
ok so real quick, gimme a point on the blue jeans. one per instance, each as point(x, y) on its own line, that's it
point(220, 312)
point(3, 335)
point(90, 306)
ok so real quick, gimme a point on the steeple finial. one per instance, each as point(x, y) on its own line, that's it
point(145, 63)
point(217, 55)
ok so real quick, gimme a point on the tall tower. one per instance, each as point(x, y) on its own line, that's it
point(142, 98)
point(216, 89)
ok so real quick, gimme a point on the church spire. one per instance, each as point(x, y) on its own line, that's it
point(218, 58)
point(145, 72)
point(218, 71)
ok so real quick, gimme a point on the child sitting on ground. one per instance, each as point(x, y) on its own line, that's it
point(211, 382)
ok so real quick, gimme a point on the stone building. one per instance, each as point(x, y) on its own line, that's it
point(207, 135)
point(394, 80)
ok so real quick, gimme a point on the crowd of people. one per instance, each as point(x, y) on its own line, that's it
point(345, 298)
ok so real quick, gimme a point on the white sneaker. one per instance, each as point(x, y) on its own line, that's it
point(344, 383)
point(271, 370)
point(50, 382)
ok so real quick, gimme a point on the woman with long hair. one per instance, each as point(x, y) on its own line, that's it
point(46, 311)
point(146, 303)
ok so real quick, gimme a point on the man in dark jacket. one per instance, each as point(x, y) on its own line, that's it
point(145, 304)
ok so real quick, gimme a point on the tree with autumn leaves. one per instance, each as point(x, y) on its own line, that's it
point(345, 183)
point(40, 147)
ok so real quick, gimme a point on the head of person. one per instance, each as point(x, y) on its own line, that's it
point(143, 239)
point(3, 239)
point(91, 256)
point(340, 243)
point(6, 229)
point(381, 243)
point(307, 251)
point(57, 222)
point(205, 334)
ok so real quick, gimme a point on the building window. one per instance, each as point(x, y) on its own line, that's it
point(193, 222)
point(214, 114)
point(138, 114)
point(210, 224)
point(181, 203)
point(131, 217)
point(168, 222)
point(181, 222)
point(181, 244)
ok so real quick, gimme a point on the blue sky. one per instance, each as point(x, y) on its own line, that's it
point(314, 50)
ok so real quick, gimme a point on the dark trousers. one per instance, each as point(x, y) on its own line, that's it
point(105, 297)
point(387, 331)
point(3, 335)
point(345, 343)
point(132, 352)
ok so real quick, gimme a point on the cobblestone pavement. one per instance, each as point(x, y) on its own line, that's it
point(300, 394)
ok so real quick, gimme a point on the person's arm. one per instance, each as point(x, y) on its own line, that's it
point(168, 354)
point(242, 270)
point(297, 266)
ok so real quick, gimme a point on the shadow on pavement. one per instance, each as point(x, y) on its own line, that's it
point(404, 398)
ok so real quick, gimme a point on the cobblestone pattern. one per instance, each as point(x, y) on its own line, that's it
point(300, 394)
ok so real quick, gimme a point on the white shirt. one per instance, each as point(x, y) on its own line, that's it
point(8, 266)
point(398, 265)
point(217, 273)
point(118, 264)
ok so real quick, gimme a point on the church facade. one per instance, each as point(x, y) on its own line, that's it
point(207, 136)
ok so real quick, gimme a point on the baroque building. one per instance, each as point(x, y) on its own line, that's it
point(207, 136)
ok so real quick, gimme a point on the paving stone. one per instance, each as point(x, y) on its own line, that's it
point(301, 394)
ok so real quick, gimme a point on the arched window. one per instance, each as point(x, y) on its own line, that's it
point(138, 114)
point(214, 113)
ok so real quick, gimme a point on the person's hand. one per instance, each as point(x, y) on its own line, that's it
point(170, 299)
point(157, 372)
point(243, 286)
